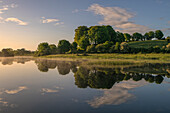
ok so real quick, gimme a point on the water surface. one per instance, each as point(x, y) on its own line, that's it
point(50, 86)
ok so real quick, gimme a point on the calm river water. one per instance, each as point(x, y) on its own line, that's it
point(49, 86)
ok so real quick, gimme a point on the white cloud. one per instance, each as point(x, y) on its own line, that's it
point(17, 90)
point(6, 7)
point(75, 11)
point(118, 18)
point(16, 20)
point(117, 95)
point(49, 20)
point(3, 9)
point(59, 23)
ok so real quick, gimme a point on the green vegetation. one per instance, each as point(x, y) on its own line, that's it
point(102, 57)
point(104, 39)
point(8, 52)
point(148, 44)
point(101, 39)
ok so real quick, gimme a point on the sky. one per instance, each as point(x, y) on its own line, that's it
point(26, 23)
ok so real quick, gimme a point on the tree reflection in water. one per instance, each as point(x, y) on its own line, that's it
point(99, 78)
point(105, 78)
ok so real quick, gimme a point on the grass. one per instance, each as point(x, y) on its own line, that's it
point(148, 44)
point(153, 56)
point(113, 60)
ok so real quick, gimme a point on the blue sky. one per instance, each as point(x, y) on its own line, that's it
point(26, 23)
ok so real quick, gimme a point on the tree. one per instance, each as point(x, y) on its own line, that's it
point(73, 47)
point(117, 47)
point(137, 36)
point(43, 49)
point(124, 46)
point(151, 35)
point(120, 37)
point(99, 34)
point(168, 39)
point(100, 48)
point(7, 52)
point(79, 32)
point(146, 35)
point(111, 33)
point(83, 43)
point(53, 49)
point(127, 37)
point(63, 46)
point(91, 49)
point(158, 34)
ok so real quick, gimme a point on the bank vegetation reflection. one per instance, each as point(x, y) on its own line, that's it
point(100, 78)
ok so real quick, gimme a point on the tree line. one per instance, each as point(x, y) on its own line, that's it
point(103, 39)
point(9, 52)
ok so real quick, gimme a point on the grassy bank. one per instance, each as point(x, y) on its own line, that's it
point(165, 57)
point(113, 60)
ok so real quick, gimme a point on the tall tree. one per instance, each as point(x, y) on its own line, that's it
point(127, 37)
point(111, 33)
point(79, 32)
point(137, 36)
point(43, 49)
point(98, 34)
point(151, 35)
point(83, 42)
point(64, 46)
point(146, 35)
point(158, 34)
point(53, 49)
point(120, 37)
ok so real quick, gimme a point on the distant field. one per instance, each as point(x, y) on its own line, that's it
point(148, 44)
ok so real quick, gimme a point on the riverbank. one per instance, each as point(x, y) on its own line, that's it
point(105, 60)
point(165, 57)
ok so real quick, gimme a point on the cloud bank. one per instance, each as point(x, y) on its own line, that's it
point(16, 20)
point(49, 20)
point(118, 18)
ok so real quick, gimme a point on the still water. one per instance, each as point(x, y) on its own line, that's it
point(50, 86)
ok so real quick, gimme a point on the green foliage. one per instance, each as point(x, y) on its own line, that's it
point(151, 35)
point(147, 44)
point(124, 47)
point(79, 32)
point(83, 43)
point(117, 47)
point(101, 34)
point(111, 33)
point(127, 37)
point(22, 52)
point(63, 46)
point(120, 37)
point(158, 34)
point(43, 49)
point(147, 37)
point(91, 49)
point(168, 39)
point(100, 48)
point(53, 49)
point(7, 52)
point(137, 36)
